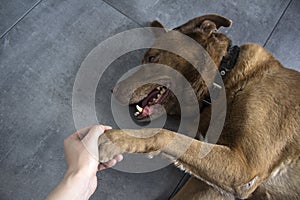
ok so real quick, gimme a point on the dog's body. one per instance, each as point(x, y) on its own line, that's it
point(258, 153)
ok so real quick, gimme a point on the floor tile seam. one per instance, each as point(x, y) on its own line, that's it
point(277, 23)
point(20, 19)
point(123, 13)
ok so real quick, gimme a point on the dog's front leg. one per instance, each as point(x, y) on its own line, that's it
point(114, 142)
point(219, 166)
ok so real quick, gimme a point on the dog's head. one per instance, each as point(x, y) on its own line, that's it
point(149, 98)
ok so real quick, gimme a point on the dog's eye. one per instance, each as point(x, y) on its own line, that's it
point(151, 59)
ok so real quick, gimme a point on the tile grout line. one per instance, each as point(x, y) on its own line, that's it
point(108, 3)
point(18, 20)
point(277, 23)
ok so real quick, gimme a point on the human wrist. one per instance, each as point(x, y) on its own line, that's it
point(74, 186)
point(79, 181)
point(78, 175)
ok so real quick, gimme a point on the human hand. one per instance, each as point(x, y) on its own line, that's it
point(82, 155)
point(81, 150)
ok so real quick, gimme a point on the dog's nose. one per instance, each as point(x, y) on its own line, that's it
point(114, 89)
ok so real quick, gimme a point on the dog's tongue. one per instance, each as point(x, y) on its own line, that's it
point(147, 111)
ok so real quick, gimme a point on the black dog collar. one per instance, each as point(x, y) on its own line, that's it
point(228, 62)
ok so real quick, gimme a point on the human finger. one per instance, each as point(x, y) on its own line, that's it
point(93, 134)
point(90, 141)
point(77, 136)
point(108, 164)
point(118, 158)
point(107, 127)
point(83, 132)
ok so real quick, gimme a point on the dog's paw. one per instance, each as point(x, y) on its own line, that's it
point(110, 145)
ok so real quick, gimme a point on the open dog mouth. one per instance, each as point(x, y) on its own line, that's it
point(145, 107)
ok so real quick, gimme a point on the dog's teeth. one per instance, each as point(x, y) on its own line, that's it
point(158, 88)
point(154, 99)
point(139, 108)
point(158, 96)
point(136, 113)
point(162, 90)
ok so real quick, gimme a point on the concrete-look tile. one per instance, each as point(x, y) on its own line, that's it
point(153, 186)
point(39, 60)
point(285, 42)
point(252, 20)
point(11, 11)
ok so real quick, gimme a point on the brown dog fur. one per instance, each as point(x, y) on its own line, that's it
point(258, 153)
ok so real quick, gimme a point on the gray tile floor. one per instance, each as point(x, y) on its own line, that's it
point(42, 45)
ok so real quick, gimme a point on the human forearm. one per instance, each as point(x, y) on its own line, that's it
point(73, 186)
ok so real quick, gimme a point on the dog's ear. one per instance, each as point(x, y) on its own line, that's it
point(207, 27)
point(205, 23)
point(158, 32)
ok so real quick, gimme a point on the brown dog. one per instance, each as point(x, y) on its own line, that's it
point(257, 155)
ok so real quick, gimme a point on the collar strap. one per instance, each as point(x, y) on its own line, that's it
point(228, 62)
